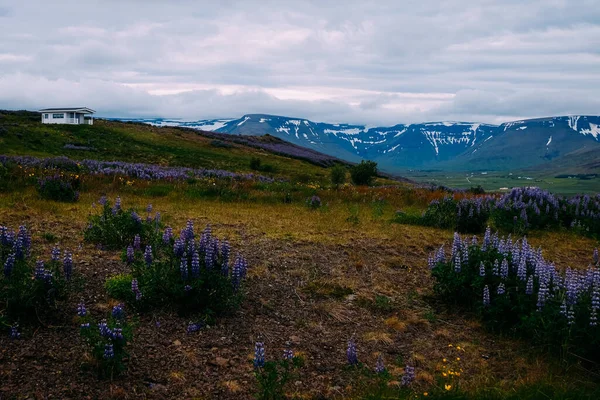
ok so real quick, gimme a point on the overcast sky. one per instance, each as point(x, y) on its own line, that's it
point(380, 62)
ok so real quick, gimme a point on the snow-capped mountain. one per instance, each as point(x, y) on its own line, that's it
point(439, 145)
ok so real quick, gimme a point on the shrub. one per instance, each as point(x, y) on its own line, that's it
point(194, 276)
point(513, 289)
point(114, 227)
point(255, 163)
point(313, 202)
point(59, 188)
point(363, 173)
point(108, 340)
point(28, 287)
point(337, 175)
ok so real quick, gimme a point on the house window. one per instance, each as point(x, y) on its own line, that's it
point(45, 116)
point(58, 116)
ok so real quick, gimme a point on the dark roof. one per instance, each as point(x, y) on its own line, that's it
point(68, 109)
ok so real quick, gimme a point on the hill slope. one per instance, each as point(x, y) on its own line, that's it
point(21, 133)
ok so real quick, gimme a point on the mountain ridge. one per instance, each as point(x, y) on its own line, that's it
point(444, 145)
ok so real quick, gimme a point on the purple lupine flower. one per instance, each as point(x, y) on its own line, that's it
point(68, 265)
point(522, 269)
point(496, 268)
point(149, 208)
point(209, 256)
point(130, 255)
point(102, 201)
point(570, 316)
point(148, 255)
point(187, 288)
point(236, 274)
point(379, 365)
point(55, 255)
point(109, 352)
point(84, 325)
point(501, 289)
point(104, 329)
point(563, 308)
point(542, 295)
point(118, 312)
point(456, 245)
point(529, 286)
point(117, 334)
point(457, 266)
point(136, 218)
point(595, 257)
point(135, 289)
point(486, 239)
point(482, 269)
point(486, 296)
point(167, 235)
point(409, 375)
point(288, 353)
point(179, 248)
point(183, 269)
point(9, 264)
point(259, 355)
point(81, 310)
point(351, 354)
point(137, 242)
point(40, 271)
point(194, 327)
point(195, 265)
point(504, 268)
point(14, 332)
point(157, 220)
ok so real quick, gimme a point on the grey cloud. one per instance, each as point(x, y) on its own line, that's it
point(335, 61)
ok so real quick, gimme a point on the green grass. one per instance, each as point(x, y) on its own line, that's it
point(24, 134)
point(494, 181)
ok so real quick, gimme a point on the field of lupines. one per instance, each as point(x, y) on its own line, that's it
point(110, 298)
point(518, 211)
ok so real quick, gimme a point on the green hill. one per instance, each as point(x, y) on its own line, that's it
point(22, 133)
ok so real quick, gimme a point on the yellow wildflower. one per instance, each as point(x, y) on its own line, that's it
point(447, 387)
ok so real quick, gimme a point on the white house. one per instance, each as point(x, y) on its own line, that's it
point(73, 116)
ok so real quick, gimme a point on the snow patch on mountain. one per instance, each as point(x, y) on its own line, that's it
point(594, 131)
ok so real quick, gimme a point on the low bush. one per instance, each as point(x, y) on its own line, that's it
point(59, 187)
point(513, 289)
point(28, 287)
point(363, 173)
point(192, 275)
point(114, 227)
point(464, 216)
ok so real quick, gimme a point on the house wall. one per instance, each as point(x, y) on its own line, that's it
point(66, 119)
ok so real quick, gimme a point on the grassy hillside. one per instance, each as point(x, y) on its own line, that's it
point(22, 133)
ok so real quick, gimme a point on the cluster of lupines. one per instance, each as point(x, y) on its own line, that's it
point(527, 208)
point(115, 227)
point(58, 187)
point(465, 215)
point(107, 339)
point(273, 376)
point(516, 289)
point(193, 271)
point(517, 211)
point(130, 170)
point(28, 284)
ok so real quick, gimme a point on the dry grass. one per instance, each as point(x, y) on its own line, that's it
point(324, 264)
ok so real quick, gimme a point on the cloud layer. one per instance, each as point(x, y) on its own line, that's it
point(392, 62)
